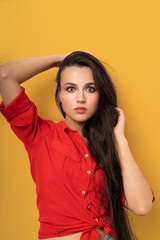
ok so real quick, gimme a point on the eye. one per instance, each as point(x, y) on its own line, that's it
point(70, 89)
point(90, 89)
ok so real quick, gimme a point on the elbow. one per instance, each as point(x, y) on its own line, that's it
point(3, 71)
point(143, 210)
point(3, 75)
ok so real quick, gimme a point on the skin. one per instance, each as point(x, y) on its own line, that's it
point(78, 89)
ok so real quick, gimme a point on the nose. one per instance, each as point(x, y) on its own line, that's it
point(81, 97)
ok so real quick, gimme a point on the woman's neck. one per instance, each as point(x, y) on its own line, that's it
point(76, 126)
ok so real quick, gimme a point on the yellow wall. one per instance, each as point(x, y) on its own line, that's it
point(124, 34)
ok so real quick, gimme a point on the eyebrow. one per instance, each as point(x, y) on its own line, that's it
point(87, 84)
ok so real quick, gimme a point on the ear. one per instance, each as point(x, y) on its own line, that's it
point(59, 95)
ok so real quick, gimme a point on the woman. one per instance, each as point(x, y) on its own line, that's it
point(85, 174)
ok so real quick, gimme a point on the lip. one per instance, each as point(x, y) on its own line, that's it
point(80, 109)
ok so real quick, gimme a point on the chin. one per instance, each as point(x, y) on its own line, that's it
point(81, 120)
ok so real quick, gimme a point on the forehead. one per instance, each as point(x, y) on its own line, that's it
point(77, 74)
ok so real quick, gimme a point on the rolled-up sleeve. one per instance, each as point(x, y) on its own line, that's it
point(123, 199)
point(22, 115)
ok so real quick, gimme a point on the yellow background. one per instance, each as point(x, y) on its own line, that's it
point(124, 34)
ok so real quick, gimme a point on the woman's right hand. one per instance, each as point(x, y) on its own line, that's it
point(61, 57)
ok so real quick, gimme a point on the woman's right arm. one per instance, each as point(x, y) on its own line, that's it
point(13, 73)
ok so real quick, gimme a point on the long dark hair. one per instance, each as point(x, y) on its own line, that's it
point(99, 128)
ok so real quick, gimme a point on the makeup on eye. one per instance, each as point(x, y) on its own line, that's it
point(70, 89)
point(88, 87)
point(92, 89)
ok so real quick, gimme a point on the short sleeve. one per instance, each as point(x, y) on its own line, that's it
point(22, 115)
point(153, 199)
point(123, 198)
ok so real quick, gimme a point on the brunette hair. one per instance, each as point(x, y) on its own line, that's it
point(99, 133)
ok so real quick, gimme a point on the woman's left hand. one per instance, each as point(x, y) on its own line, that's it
point(119, 128)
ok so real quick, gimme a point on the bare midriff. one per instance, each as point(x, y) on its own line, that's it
point(77, 236)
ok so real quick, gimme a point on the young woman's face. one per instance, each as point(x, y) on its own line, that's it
point(78, 94)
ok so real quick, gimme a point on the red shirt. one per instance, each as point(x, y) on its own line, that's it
point(61, 167)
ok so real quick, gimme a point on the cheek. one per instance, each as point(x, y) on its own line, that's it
point(67, 101)
point(95, 101)
point(93, 104)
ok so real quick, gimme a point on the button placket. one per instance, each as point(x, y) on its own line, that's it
point(86, 172)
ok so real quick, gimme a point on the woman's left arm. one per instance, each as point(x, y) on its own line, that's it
point(137, 191)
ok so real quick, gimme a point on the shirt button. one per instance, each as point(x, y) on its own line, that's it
point(83, 192)
point(89, 172)
point(89, 206)
point(96, 219)
point(86, 155)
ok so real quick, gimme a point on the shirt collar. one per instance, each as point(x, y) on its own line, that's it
point(64, 126)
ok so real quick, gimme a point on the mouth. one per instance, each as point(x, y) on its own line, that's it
point(80, 109)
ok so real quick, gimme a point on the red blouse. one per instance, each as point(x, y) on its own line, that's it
point(61, 167)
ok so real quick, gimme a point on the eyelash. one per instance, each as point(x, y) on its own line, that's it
point(93, 89)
